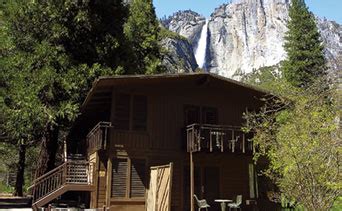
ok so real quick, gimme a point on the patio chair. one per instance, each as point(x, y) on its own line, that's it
point(201, 204)
point(237, 203)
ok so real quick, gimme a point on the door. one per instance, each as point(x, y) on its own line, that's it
point(159, 192)
point(211, 185)
point(207, 185)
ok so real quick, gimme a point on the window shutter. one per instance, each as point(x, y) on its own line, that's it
point(138, 178)
point(122, 111)
point(119, 176)
point(139, 112)
point(192, 114)
point(209, 115)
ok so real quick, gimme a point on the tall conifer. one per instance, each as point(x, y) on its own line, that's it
point(142, 31)
point(50, 53)
point(306, 62)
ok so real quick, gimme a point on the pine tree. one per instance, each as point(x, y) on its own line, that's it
point(306, 62)
point(51, 51)
point(142, 31)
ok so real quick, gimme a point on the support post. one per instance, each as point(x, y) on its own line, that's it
point(191, 182)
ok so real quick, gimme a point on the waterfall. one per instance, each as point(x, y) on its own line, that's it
point(202, 46)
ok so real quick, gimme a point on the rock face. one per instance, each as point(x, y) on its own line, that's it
point(179, 56)
point(331, 33)
point(187, 24)
point(249, 34)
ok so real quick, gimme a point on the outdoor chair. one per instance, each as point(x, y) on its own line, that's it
point(202, 204)
point(237, 203)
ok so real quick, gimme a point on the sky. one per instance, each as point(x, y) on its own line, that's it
point(331, 9)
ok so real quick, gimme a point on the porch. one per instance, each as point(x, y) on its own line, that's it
point(220, 165)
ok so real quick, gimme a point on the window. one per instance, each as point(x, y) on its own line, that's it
point(192, 114)
point(130, 112)
point(196, 114)
point(209, 115)
point(128, 174)
point(122, 111)
point(139, 113)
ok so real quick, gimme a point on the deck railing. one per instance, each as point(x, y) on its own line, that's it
point(69, 173)
point(97, 137)
point(222, 138)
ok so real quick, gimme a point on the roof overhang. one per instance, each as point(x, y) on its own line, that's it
point(103, 86)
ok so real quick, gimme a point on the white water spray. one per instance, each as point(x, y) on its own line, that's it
point(202, 46)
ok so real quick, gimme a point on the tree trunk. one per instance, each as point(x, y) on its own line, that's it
point(20, 171)
point(48, 151)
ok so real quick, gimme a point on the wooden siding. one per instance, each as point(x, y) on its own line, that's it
point(129, 139)
point(165, 119)
point(164, 140)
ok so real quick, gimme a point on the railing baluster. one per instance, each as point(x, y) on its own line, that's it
point(217, 138)
point(72, 172)
point(243, 143)
point(97, 137)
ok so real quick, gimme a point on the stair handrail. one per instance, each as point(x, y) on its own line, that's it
point(37, 180)
point(57, 178)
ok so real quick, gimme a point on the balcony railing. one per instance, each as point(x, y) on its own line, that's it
point(97, 137)
point(218, 138)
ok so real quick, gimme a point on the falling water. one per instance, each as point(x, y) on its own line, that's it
point(202, 46)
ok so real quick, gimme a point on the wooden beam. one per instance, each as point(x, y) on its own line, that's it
point(192, 189)
point(109, 181)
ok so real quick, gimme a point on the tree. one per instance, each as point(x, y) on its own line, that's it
point(264, 77)
point(297, 132)
point(305, 52)
point(142, 33)
point(50, 54)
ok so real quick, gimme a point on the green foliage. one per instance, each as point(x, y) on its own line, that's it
point(165, 33)
point(264, 77)
point(9, 158)
point(306, 61)
point(297, 132)
point(52, 52)
point(338, 204)
point(4, 188)
point(142, 31)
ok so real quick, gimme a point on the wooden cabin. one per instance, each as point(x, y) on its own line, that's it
point(184, 127)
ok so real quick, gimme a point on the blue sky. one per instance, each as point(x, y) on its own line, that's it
point(331, 9)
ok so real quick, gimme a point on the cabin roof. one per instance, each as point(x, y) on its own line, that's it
point(103, 85)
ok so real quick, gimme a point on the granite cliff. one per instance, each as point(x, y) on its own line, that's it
point(248, 34)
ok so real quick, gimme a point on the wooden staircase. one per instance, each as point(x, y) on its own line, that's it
point(73, 175)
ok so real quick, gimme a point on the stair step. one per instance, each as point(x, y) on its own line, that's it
point(15, 202)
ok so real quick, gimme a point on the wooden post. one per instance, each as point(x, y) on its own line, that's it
point(191, 182)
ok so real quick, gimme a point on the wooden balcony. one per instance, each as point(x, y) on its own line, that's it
point(218, 138)
point(97, 137)
point(70, 176)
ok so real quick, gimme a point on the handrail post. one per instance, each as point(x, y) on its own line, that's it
point(65, 169)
